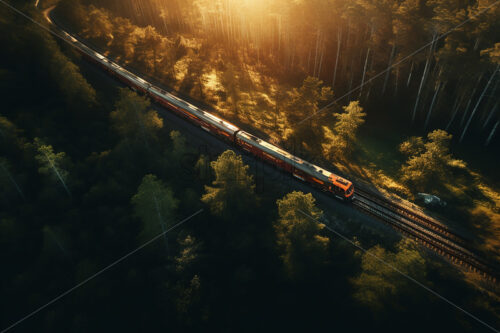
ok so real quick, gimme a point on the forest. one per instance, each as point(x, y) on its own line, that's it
point(344, 44)
point(90, 170)
point(311, 77)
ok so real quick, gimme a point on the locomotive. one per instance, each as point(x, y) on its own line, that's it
point(299, 168)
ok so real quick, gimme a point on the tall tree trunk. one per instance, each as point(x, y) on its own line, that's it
point(316, 53)
point(339, 42)
point(364, 73)
point(492, 133)
point(409, 75)
point(490, 115)
point(456, 107)
point(321, 60)
point(432, 105)
point(478, 103)
point(470, 100)
point(351, 80)
point(389, 68)
point(424, 76)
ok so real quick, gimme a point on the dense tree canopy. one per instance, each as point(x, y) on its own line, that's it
point(132, 118)
point(379, 285)
point(341, 141)
point(343, 42)
point(302, 247)
point(51, 163)
point(120, 162)
point(232, 182)
point(429, 163)
point(155, 205)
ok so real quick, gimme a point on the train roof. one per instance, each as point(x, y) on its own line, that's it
point(311, 169)
point(298, 163)
point(204, 115)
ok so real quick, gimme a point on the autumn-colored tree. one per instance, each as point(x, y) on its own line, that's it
point(299, 239)
point(340, 140)
point(124, 41)
point(147, 49)
point(155, 205)
point(99, 25)
point(232, 183)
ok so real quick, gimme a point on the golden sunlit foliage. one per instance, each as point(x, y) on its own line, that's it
point(429, 163)
point(340, 141)
point(232, 183)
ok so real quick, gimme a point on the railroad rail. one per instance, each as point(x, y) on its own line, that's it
point(416, 216)
point(428, 233)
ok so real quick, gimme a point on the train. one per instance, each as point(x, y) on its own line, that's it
point(316, 176)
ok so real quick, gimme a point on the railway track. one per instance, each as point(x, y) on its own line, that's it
point(427, 232)
point(416, 216)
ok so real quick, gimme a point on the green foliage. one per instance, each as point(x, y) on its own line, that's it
point(341, 140)
point(379, 285)
point(8, 131)
point(10, 136)
point(232, 183)
point(155, 205)
point(305, 101)
point(302, 103)
point(70, 80)
point(429, 164)
point(64, 73)
point(48, 58)
point(132, 120)
point(179, 145)
point(51, 163)
point(301, 245)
